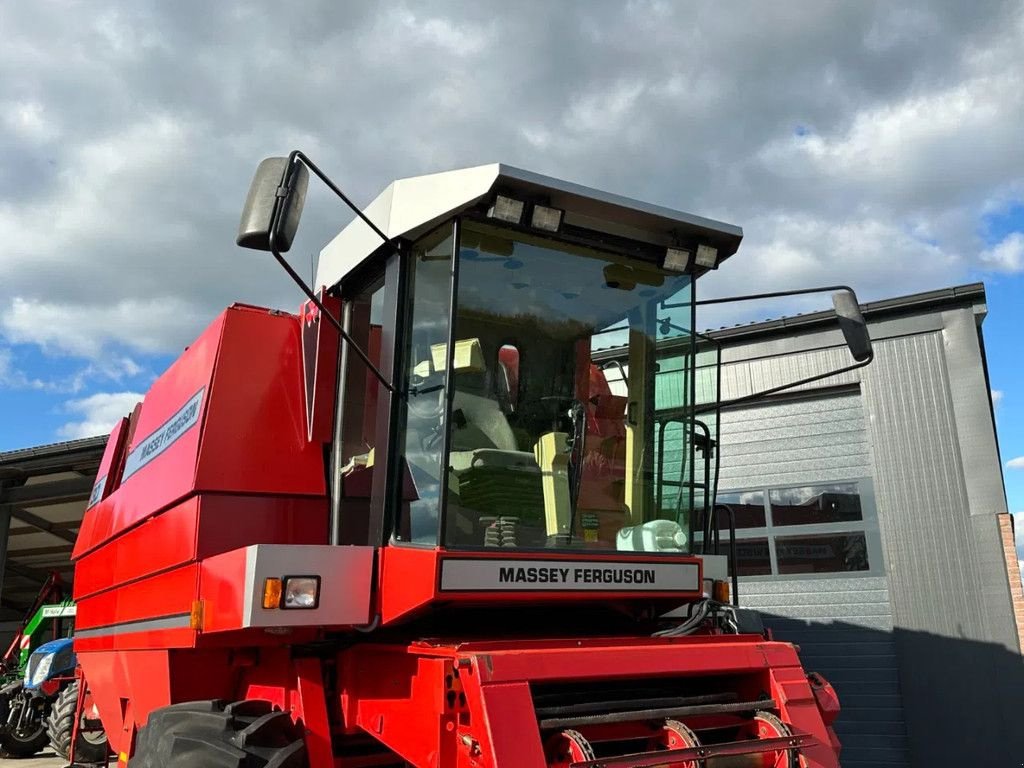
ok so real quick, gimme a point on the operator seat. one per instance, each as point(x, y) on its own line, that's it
point(478, 421)
point(498, 495)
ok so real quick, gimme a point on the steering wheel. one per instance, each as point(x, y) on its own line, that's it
point(426, 395)
point(557, 410)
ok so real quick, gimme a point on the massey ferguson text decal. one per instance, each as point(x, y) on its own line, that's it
point(476, 575)
point(97, 492)
point(162, 439)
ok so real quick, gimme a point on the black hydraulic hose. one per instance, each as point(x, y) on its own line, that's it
point(733, 562)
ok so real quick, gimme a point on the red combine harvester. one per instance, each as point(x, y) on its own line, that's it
point(459, 511)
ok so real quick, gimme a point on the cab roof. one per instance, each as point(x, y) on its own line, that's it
point(410, 207)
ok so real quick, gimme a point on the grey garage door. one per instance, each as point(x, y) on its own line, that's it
point(799, 472)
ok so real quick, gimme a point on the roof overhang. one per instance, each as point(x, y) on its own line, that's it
point(411, 207)
point(43, 493)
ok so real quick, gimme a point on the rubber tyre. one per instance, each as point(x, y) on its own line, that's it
point(15, 745)
point(213, 734)
point(60, 725)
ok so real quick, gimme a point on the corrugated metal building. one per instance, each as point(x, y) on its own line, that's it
point(873, 528)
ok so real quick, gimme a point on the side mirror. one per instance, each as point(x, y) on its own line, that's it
point(851, 323)
point(274, 204)
point(853, 326)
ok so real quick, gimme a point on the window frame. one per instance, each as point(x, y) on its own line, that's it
point(867, 525)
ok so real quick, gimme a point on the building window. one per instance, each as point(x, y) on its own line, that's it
point(804, 530)
point(754, 557)
point(809, 504)
point(822, 553)
point(747, 506)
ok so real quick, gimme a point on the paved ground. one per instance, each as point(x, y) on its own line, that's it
point(45, 760)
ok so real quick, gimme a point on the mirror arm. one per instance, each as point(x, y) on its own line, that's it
point(297, 279)
point(298, 155)
point(774, 295)
point(789, 385)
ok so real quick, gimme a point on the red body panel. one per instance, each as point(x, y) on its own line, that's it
point(472, 704)
point(253, 444)
point(133, 555)
point(410, 580)
point(257, 443)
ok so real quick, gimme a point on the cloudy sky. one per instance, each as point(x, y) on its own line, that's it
point(877, 143)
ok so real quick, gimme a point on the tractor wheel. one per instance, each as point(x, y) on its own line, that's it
point(91, 744)
point(214, 734)
point(25, 741)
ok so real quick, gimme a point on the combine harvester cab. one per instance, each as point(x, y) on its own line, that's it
point(459, 511)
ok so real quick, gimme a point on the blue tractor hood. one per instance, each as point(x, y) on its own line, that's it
point(54, 646)
point(62, 662)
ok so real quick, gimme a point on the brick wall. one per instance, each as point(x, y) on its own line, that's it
point(1013, 570)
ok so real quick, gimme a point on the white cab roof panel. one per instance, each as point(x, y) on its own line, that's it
point(411, 207)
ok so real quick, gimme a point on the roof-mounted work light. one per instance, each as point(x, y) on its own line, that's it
point(548, 219)
point(707, 256)
point(676, 259)
point(507, 209)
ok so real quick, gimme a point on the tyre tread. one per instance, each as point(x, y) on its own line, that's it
point(219, 734)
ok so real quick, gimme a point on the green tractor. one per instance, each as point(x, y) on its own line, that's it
point(51, 617)
point(39, 685)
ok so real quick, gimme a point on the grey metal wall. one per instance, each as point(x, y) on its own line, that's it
point(843, 625)
point(935, 629)
point(955, 637)
point(844, 628)
point(805, 440)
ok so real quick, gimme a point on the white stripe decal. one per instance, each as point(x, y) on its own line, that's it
point(178, 621)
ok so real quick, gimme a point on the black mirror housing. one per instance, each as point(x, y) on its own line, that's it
point(853, 325)
point(274, 203)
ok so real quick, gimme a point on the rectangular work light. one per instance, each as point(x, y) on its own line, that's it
point(707, 256)
point(677, 259)
point(548, 219)
point(301, 592)
point(507, 209)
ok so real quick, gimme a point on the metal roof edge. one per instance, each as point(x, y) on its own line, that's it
point(53, 449)
point(631, 203)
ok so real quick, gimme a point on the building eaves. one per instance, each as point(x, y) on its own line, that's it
point(971, 293)
point(70, 454)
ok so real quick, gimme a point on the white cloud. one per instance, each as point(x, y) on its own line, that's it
point(1017, 463)
point(12, 377)
point(113, 368)
point(28, 120)
point(97, 414)
point(1007, 255)
point(121, 180)
point(149, 326)
point(997, 397)
point(454, 37)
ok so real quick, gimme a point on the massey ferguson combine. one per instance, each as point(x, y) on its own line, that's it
point(456, 513)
